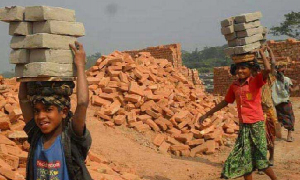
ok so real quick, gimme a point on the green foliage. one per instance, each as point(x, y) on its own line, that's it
point(289, 27)
point(204, 61)
point(92, 59)
point(8, 74)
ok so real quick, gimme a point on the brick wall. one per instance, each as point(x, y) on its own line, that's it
point(172, 53)
point(286, 51)
point(289, 48)
point(222, 80)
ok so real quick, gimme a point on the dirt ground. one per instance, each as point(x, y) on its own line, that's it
point(132, 149)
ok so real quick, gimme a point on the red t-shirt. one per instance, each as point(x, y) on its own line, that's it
point(248, 98)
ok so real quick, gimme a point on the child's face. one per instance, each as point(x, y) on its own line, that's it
point(243, 72)
point(48, 118)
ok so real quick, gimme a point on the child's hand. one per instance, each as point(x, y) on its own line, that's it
point(201, 119)
point(79, 54)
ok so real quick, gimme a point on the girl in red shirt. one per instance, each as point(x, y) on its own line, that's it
point(250, 150)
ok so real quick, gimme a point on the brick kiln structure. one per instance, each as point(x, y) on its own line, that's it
point(172, 53)
point(284, 51)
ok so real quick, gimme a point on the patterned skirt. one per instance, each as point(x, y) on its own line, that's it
point(249, 152)
point(286, 115)
point(270, 122)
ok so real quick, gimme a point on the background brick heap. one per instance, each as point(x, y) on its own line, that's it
point(222, 80)
point(144, 93)
point(285, 51)
point(172, 53)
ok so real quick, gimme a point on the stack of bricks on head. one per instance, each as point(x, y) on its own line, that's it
point(40, 43)
point(41, 38)
point(244, 33)
point(152, 96)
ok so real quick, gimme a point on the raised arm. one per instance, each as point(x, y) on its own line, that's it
point(218, 107)
point(82, 91)
point(273, 61)
point(25, 104)
point(267, 67)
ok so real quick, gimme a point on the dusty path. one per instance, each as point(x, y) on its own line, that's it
point(132, 149)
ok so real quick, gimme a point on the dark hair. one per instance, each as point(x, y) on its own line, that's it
point(253, 65)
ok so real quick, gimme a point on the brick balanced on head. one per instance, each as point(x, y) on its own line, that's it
point(244, 33)
point(41, 38)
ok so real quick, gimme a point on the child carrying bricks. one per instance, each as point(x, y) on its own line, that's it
point(269, 108)
point(59, 140)
point(250, 150)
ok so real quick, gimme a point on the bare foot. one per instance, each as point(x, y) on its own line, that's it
point(271, 162)
point(289, 137)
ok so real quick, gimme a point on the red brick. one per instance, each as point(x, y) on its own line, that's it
point(113, 108)
point(123, 77)
point(96, 100)
point(119, 119)
point(93, 80)
point(137, 73)
point(184, 137)
point(207, 130)
point(108, 96)
point(132, 98)
point(164, 148)
point(131, 117)
point(147, 105)
point(103, 82)
point(179, 147)
point(195, 142)
point(97, 158)
point(142, 127)
point(199, 149)
point(211, 145)
point(5, 140)
point(153, 114)
point(101, 115)
point(185, 153)
point(19, 125)
point(12, 160)
point(152, 124)
point(4, 123)
point(134, 88)
point(7, 173)
point(158, 140)
point(8, 108)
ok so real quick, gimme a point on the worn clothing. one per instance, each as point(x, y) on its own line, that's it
point(270, 122)
point(248, 98)
point(285, 115)
point(269, 111)
point(50, 163)
point(59, 101)
point(249, 152)
point(280, 91)
point(266, 98)
point(75, 149)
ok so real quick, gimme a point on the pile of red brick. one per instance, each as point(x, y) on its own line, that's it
point(13, 144)
point(146, 93)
